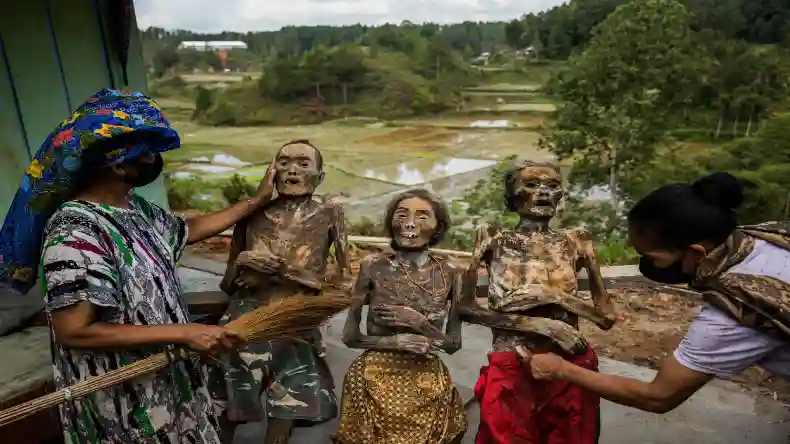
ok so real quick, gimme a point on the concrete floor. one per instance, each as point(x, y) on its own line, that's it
point(720, 413)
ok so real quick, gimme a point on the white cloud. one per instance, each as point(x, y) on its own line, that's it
point(260, 15)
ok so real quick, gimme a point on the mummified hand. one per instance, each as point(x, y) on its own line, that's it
point(260, 261)
point(400, 316)
point(413, 343)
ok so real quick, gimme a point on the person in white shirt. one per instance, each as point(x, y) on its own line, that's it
point(688, 234)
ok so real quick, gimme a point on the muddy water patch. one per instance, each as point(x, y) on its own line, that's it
point(489, 124)
point(208, 168)
point(426, 170)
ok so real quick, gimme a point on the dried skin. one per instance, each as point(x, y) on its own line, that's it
point(533, 288)
point(532, 270)
point(431, 290)
point(285, 246)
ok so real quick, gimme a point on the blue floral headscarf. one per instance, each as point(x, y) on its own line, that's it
point(52, 175)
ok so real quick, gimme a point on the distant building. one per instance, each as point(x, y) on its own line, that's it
point(217, 45)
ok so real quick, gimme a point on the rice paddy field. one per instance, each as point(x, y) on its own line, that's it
point(366, 158)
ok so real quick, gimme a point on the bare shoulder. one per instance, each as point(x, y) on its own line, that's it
point(330, 207)
point(487, 231)
point(446, 264)
point(373, 260)
point(579, 235)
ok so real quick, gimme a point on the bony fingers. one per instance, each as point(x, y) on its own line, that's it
point(523, 353)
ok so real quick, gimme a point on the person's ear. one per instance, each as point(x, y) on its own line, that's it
point(118, 169)
point(436, 233)
point(698, 252)
point(320, 180)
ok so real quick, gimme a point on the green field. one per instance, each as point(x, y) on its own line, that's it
point(363, 156)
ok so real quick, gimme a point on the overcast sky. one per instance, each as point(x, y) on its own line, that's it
point(260, 15)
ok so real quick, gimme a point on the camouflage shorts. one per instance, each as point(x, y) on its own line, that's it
point(294, 379)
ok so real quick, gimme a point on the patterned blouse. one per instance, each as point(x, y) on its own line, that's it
point(123, 261)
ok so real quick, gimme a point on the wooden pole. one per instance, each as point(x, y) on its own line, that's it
point(383, 241)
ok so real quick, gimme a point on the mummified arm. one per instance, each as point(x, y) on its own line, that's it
point(340, 241)
point(352, 334)
point(470, 311)
point(604, 315)
point(453, 330)
point(237, 245)
point(569, 302)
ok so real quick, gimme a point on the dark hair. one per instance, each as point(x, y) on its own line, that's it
point(439, 209)
point(319, 158)
point(512, 174)
point(679, 215)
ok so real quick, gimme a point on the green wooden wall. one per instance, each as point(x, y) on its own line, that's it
point(53, 55)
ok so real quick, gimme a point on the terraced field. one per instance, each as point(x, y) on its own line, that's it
point(364, 158)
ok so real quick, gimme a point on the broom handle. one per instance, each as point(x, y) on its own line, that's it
point(89, 386)
point(92, 385)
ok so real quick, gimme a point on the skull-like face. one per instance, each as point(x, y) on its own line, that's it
point(537, 191)
point(414, 224)
point(297, 169)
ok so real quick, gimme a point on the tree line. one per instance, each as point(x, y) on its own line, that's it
point(469, 38)
point(646, 75)
point(564, 30)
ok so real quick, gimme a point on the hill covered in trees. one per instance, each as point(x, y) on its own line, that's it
point(468, 38)
point(566, 29)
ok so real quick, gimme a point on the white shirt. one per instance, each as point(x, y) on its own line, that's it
point(716, 344)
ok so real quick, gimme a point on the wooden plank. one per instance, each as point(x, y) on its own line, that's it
point(206, 302)
point(27, 363)
point(40, 428)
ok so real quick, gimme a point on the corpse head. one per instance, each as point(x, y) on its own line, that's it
point(416, 220)
point(299, 169)
point(534, 190)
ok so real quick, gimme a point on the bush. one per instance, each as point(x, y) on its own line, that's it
point(191, 194)
point(365, 227)
point(222, 113)
point(237, 188)
point(615, 250)
point(204, 98)
point(179, 192)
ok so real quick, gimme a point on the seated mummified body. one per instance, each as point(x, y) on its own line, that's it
point(277, 252)
point(533, 302)
point(398, 391)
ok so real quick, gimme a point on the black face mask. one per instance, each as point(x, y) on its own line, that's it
point(672, 274)
point(147, 172)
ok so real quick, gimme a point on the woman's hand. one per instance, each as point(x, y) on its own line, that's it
point(267, 185)
point(207, 338)
point(544, 366)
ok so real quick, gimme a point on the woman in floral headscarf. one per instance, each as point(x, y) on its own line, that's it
point(107, 259)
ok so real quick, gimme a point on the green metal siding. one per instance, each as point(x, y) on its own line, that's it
point(36, 75)
point(13, 148)
point(53, 56)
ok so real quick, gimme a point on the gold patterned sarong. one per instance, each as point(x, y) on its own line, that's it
point(400, 398)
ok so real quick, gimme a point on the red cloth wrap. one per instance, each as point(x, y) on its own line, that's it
point(517, 409)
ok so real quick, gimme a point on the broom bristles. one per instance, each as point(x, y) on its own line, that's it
point(288, 317)
point(291, 316)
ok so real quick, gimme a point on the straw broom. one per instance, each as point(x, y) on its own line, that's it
point(290, 317)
